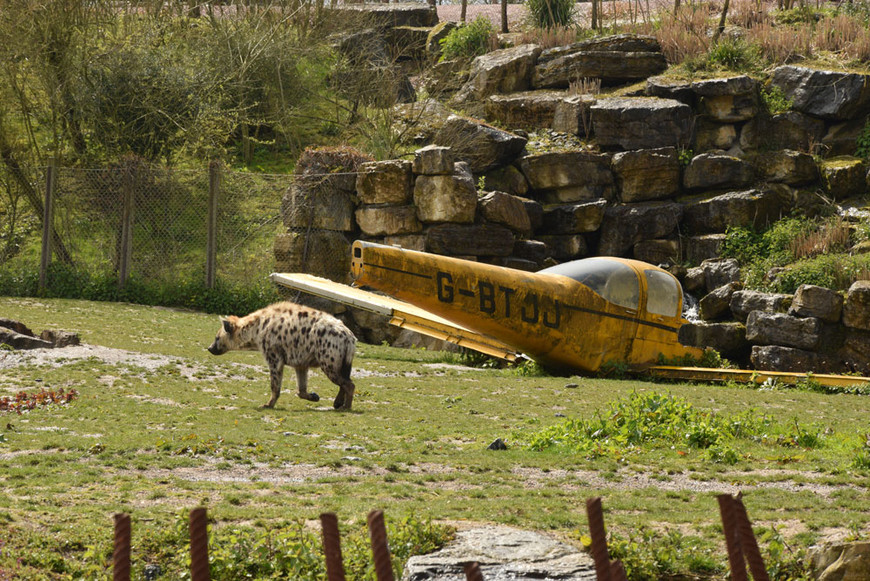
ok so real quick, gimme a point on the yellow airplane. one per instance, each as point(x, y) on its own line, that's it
point(574, 317)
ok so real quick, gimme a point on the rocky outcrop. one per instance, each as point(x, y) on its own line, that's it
point(841, 561)
point(484, 147)
point(613, 59)
point(501, 71)
point(17, 335)
point(568, 177)
point(503, 553)
point(824, 94)
point(623, 123)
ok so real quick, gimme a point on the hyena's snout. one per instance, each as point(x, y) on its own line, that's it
point(216, 349)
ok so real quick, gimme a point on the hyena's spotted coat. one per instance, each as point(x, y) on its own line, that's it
point(297, 336)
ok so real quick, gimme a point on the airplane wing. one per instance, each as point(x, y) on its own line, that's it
point(401, 314)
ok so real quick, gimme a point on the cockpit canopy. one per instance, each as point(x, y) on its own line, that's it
point(617, 282)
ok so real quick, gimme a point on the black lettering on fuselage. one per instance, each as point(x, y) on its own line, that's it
point(487, 297)
point(444, 284)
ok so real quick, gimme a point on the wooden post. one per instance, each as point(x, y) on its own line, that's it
point(600, 555)
point(214, 186)
point(504, 16)
point(47, 223)
point(732, 537)
point(332, 547)
point(748, 543)
point(125, 248)
point(199, 545)
point(380, 549)
point(463, 11)
point(121, 555)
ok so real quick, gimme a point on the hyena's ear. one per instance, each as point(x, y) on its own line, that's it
point(229, 324)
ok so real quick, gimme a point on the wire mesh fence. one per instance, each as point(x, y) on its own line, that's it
point(168, 227)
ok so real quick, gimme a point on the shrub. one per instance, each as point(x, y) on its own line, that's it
point(550, 13)
point(472, 39)
point(735, 54)
point(775, 101)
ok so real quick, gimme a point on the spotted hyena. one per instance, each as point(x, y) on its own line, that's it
point(298, 336)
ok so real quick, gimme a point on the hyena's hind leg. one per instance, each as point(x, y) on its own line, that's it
point(276, 376)
point(302, 385)
point(346, 387)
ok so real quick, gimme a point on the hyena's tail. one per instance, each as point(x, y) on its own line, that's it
point(347, 357)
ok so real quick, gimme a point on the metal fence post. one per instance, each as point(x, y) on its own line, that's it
point(47, 222)
point(199, 569)
point(125, 248)
point(380, 549)
point(214, 186)
point(121, 554)
point(332, 547)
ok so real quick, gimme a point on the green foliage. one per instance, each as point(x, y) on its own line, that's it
point(470, 40)
point(685, 157)
point(802, 14)
point(775, 101)
point(794, 244)
point(551, 13)
point(861, 455)
point(649, 555)
point(735, 54)
point(657, 420)
point(863, 142)
point(67, 282)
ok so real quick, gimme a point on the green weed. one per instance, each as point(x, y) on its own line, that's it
point(470, 40)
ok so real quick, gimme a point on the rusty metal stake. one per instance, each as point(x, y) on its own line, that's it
point(199, 570)
point(729, 515)
point(472, 572)
point(748, 542)
point(600, 555)
point(121, 555)
point(380, 549)
point(332, 547)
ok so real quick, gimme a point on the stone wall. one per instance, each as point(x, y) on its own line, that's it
point(662, 171)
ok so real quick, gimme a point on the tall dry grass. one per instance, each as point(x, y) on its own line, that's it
point(843, 34)
point(781, 44)
point(684, 34)
point(832, 236)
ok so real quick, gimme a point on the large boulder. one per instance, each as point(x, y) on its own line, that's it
point(842, 138)
point(779, 358)
point(662, 251)
point(560, 177)
point(844, 177)
point(778, 329)
point(744, 302)
point(716, 304)
point(697, 249)
point(446, 78)
point(483, 146)
point(641, 123)
point(647, 174)
point(728, 100)
point(627, 224)
point(508, 179)
point(433, 160)
point(384, 182)
point(710, 171)
point(507, 70)
point(827, 94)
point(389, 15)
point(388, 220)
point(564, 247)
point(786, 166)
point(789, 130)
point(503, 553)
point(815, 301)
point(856, 307)
point(507, 210)
point(756, 208)
point(527, 110)
point(572, 115)
point(470, 240)
point(574, 218)
point(841, 561)
point(446, 198)
point(712, 135)
point(614, 59)
point(729, 339)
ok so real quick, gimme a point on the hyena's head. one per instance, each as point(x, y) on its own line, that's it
point(227, 338)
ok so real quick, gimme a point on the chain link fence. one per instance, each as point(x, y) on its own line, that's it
point(163, 227)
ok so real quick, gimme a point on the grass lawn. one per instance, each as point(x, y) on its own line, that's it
point(164, 426)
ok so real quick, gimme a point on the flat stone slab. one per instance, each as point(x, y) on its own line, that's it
point(504, 554)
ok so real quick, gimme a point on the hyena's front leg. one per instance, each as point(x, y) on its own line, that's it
point(302, 385)
point(276, 375)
